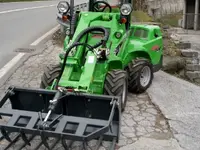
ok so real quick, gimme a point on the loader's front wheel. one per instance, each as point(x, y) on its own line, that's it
point(116, 84)
point(51, 72)
point(140, 75)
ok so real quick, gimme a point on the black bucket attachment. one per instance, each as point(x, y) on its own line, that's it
point(76, 117)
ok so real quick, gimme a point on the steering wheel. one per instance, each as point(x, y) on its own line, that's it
point(101, 8)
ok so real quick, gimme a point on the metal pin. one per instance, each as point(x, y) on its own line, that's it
point(64, 144)
point(99, 143)
point(5, 135)
point(13, 141)
point(24, 138)
point(44, 140)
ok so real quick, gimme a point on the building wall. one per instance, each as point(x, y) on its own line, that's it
point(189, 17)
point(199, 18)
point(190, 14)
point(163, 7)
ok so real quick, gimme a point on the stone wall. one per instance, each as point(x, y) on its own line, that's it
point(192, 68)
point(158, 8)
point(186, 65)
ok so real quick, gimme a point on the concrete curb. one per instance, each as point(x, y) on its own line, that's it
point(39, 49)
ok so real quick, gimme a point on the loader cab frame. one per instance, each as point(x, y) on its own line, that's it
point(117, 3)
point(121, 2)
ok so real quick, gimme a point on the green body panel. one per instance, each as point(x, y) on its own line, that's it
point(138, 46)
point(86, 73)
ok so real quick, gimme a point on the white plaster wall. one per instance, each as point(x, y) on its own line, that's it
point(163, 7)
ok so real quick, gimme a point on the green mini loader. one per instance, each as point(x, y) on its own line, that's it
point(82, 97)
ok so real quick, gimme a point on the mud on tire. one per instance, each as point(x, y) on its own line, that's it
point(51, 72)
point(140, 75)
point(116, 84)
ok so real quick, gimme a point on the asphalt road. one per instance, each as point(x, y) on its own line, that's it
point(179, 101)
point(21, 28)
point(18, 29)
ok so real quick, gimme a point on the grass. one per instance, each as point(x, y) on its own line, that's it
point(140, 16)
point(171, 19)
point(168, 19)
point(5, 1)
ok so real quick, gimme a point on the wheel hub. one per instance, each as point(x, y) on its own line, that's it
point(124, 93)
point(145, 76)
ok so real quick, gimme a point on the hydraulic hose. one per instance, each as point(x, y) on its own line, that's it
point(95, 28)
point(77, 43)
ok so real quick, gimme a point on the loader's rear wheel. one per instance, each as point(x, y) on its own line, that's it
point(140, 75)
point(51, 72)
point(116, 84)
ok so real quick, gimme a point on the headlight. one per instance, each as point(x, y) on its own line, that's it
point(63, 7)
point(126, 9)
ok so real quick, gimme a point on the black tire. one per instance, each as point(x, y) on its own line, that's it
point(51, 72)
point(116, 84)
point(135, 71)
